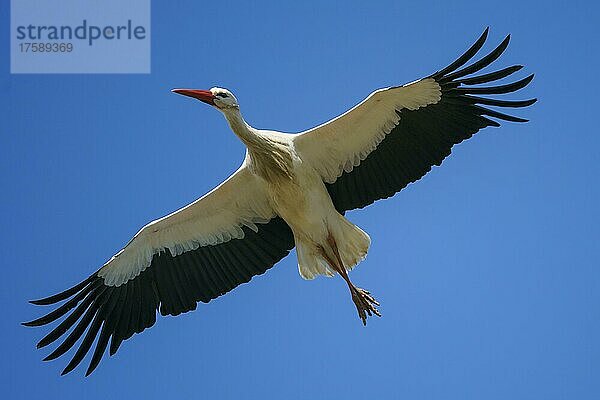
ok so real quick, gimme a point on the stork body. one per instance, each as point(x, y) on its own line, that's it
point(291, 190)
point(326, 242)
point(296, 192)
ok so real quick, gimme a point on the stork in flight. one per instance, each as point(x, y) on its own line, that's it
point(291, 190)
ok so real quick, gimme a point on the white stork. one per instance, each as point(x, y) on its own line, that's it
point(291, 190)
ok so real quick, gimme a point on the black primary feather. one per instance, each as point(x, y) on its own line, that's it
point(425, 136)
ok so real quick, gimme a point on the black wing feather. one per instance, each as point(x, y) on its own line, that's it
point(424, 137)
point(172, 285)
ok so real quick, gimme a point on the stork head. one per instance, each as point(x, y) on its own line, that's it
point(219, 98)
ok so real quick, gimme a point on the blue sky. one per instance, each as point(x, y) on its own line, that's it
point(487, 269)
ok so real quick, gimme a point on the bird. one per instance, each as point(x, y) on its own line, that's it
point(291, 190)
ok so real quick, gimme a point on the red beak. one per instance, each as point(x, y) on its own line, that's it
point(203, 95)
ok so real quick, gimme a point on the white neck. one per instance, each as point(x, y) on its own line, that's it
point(240, 127)
point(269, 157)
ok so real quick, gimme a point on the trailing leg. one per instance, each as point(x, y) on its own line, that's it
point(366, 305)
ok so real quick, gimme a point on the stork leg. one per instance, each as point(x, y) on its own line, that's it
point(365, 303)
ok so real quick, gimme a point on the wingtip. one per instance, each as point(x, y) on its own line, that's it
point(484, 35)
point(54, 355)
point(43, 343)
point(64, 294)
point(527, 80)
point(67, 369)
point(530, 102)
point(114, 346)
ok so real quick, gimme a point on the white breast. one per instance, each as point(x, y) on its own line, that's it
point(303, 202)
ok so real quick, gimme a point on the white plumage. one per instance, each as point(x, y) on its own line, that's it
point(319, 154)
point(291, 190)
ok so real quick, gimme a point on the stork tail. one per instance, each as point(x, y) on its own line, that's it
point(351, 241)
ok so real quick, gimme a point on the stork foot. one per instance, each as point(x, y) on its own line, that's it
point(366, 305)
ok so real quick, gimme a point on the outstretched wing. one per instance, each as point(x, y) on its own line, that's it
point(195, 254)
point(397, 134)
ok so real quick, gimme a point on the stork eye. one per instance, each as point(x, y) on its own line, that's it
point(222, 95)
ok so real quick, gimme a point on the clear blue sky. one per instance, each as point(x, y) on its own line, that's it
point(487, 269)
